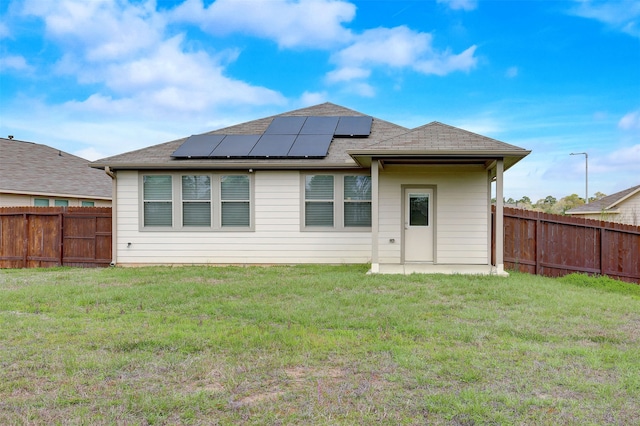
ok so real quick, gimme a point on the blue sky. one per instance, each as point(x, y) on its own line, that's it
point(101, 77)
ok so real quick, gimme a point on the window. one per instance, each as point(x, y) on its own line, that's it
point(196, 202)
point(61, 203)
point(157, 190)
point(318, 190)
point(419, 209)
point(357, 201)
point(234, 198)
point(41, 202)
point(88, 204)
point(337, 202)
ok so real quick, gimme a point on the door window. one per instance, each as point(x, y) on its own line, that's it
point(418, 209)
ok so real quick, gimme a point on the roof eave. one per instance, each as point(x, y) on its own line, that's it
point(255, 165)
point(364, 156)
point(626, 197)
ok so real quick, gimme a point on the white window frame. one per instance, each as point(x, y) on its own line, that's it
point(338, 203)
point(177, 203)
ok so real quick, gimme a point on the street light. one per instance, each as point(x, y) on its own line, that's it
point(586, 174)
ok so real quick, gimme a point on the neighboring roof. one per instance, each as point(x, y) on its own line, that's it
point(605, 204)
point(385, 138)
point(31, 168)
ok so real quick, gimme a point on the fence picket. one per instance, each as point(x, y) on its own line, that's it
point(565, 245)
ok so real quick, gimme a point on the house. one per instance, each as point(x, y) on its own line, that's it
point(32, 174)
point(621, 207)
point(323, 184)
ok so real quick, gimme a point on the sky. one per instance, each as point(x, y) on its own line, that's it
point(101, 77)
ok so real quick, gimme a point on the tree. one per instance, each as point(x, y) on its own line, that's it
point(567, 203)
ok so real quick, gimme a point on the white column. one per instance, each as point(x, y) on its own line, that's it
point(375, 265)
point(499, 231)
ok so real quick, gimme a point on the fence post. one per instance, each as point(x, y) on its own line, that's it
point(538, 243)
point(602, 247)
point(25, 251)
point(61, 236)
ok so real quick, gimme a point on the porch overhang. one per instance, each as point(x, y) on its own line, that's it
point(365, 157)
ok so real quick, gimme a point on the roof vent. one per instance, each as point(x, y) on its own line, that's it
point(10, 137)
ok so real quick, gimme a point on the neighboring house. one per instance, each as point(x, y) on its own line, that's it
point(621, 207)
point(323, 184)
point(32, 174)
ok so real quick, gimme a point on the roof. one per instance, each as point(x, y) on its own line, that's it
point(432, 139)
point(606, 203)
point(441, 141)
point(31, 168)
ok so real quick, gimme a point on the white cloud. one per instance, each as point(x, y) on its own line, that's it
point(123, 50)
point(313, 98)
point(347, 73)
point(626, 156)
point(4, 31)
point(101, 29)
point(314, 23)
point(398, 47)
point(630, 121)
point(14, 62)
point(460, 4)
point(511, 72)
point(621, 15)
point(89, 153)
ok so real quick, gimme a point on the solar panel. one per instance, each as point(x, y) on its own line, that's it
point(354, 126)
point(319, 126)
point(235, 146)
point(310, 146)
point(285, 125)
point(198, 146)
point(273, 146)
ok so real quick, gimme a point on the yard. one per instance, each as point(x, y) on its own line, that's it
point(319, 345)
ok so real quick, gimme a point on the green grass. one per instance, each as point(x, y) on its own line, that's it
point(321, 345)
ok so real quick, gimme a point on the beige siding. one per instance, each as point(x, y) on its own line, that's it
point(277, 237)
point(630, 210)
point(460, 208)
point(14, 200)
point(19, 200)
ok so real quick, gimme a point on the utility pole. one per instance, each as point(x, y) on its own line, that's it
point(586, 174)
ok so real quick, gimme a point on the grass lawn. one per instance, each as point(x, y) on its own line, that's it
point(320, 345)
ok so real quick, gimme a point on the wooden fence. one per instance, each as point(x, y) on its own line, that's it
point(32, 237)
point(554, 245)
point(534, 242)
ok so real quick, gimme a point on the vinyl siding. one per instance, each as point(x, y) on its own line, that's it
point(461, 212)
point(276, 238)
point(630, 210)
point(460, 207)
point(20, 200)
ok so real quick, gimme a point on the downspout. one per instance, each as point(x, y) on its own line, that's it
point(114, 204)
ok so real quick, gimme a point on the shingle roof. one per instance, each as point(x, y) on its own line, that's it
point(159, 156)
point(436, 136)
point(31, 168)
point(605, 203)
point(385, 136)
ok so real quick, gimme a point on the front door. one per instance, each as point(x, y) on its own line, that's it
point(418, 225)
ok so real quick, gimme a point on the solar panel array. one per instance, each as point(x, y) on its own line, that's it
point(286, 137)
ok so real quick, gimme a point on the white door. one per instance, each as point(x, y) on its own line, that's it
point(418, 225)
